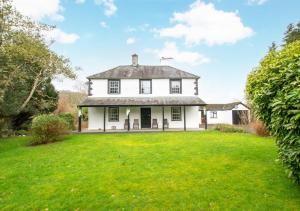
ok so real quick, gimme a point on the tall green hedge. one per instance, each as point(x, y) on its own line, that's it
point(273, 90)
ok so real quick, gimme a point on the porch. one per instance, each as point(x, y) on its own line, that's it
point(158, 114)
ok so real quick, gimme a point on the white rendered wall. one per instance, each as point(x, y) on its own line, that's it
point(96, 120)
point(223, 117)
point(130, 88)
point(193, 117)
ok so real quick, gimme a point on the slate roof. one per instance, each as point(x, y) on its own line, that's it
point(137, 101)
point(223, 107)
point(143, 71)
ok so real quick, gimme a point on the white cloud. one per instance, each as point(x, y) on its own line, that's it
point(40, 9)
point(109, 6)
point(257, 2)
point(203, 23)
point(130, 40)
point(143, 27)
point(79, 1)
point(130, 29)
point(170, 50)
point(103, 24)
point(60, 36)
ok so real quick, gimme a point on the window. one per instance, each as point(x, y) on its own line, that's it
point(113, 114)
point(175, 86)
point(113, 86)
point(145, 86)
point(213, 115)
point(176, 113)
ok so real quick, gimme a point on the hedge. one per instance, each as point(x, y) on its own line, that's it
point(273, 90)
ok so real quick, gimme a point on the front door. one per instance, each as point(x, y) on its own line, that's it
point(145, 117)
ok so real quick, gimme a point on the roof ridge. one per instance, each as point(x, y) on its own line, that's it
point(143, 71)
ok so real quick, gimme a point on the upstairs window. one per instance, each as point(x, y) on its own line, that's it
point(176, 113)
point(213, 115)
point(113, 114)
point(113, 86)
point(146, 86)
point(175, 86)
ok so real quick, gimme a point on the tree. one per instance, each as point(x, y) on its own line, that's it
point(292, 33)
point(273, 91)
point(273, 47)
point(27, 66)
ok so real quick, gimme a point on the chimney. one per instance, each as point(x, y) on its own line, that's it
point(135, 59)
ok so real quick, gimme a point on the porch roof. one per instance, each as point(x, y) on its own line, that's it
point(141, 101)
point(223, 107)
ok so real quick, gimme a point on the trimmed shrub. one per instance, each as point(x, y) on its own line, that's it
point(69, 118)
point(228, 128)
point(273, 90)
point(48, 128)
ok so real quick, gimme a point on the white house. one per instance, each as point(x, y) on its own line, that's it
point(135, 97)
point(231, 113)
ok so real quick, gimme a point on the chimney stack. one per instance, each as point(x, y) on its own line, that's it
point(135, 59)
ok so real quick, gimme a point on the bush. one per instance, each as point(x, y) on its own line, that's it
point(48, 128)
point(273, 90)
point(84, 111)
point(228, 128)
point(259, 128)
point(21, 133)
point(69, 118)
point(5, 128)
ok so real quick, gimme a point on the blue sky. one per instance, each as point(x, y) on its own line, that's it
point(219, 40)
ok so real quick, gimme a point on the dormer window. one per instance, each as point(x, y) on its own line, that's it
point(114, 86)
point(175, 86)
point(146, 86)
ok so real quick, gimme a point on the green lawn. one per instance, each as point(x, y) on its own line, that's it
point(174, 170)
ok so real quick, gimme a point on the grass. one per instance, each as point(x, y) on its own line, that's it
point(194, 170)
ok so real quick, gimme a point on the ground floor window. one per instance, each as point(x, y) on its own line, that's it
point(213, 115)
point(113, 114)
point(176, 113)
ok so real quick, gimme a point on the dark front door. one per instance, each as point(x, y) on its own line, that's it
point(145, 117)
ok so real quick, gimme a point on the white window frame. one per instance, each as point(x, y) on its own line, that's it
point(113, 114)
point(114, 86)
point(175, 89)
point(149, 89)
point(176, 113)
point(213, 114)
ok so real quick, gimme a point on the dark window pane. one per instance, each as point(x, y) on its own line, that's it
point(113, 86)
point(113, 114)
point(145, 86)
point(175, 86)
point(176, 113)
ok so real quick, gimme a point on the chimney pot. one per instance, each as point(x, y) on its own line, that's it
point(135, 59)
